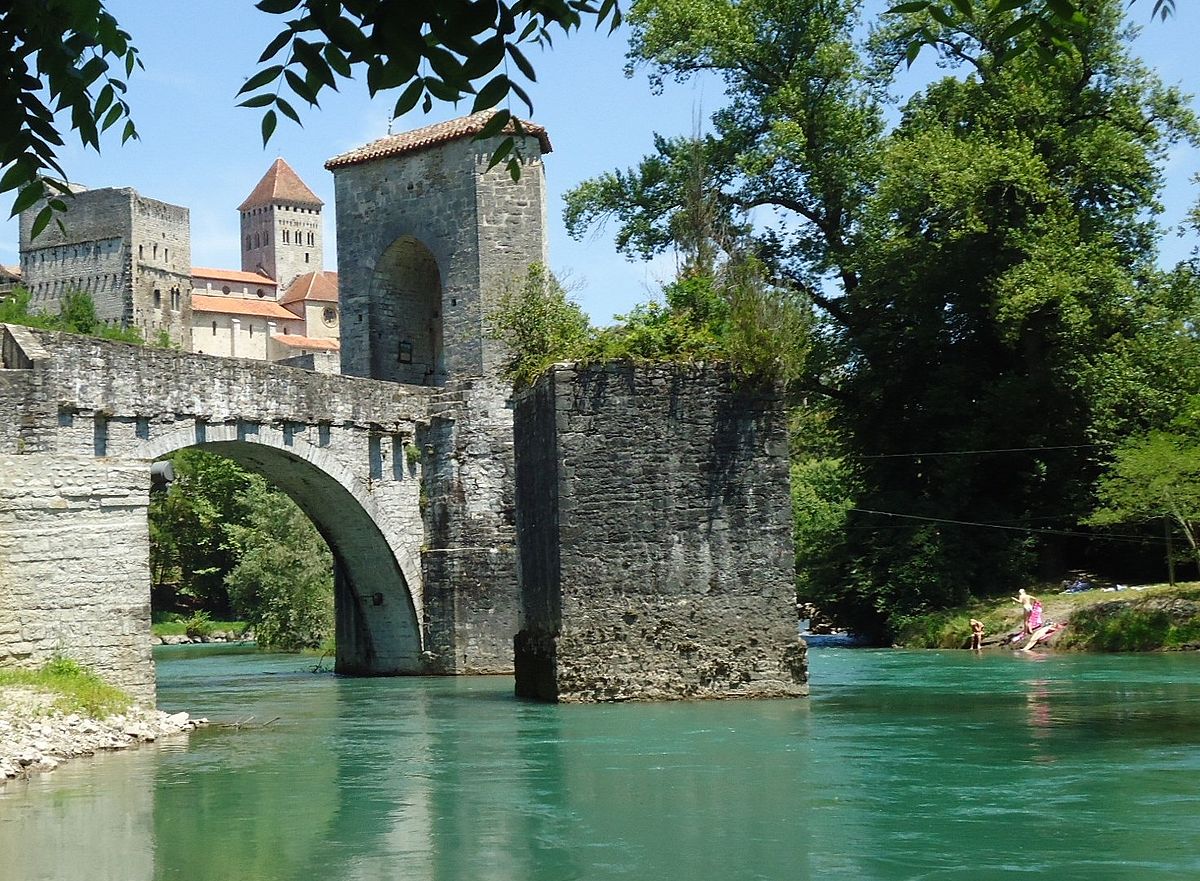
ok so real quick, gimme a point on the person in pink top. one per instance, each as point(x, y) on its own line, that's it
point(1029, 603)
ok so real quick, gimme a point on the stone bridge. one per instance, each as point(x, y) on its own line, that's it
point(74, 543)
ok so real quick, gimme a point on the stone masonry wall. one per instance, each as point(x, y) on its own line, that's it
point(654, 526)
point(469, 562)
point(83, 419)
point(74, 571)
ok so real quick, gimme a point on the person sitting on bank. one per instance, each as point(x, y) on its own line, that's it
point(976, 634)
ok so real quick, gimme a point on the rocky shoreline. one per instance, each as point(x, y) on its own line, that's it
point(34, 737)
point(216, 636)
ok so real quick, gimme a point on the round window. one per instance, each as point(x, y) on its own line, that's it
point(330, 316)
point(225, 289)
point(261, 293)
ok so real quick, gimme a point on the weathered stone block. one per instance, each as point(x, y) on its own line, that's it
point(654, 537)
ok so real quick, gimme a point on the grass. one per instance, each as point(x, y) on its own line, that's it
point(177, 625)
point(76, 688)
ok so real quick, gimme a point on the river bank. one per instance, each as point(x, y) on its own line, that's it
point(63, 711)
point(1111, 617)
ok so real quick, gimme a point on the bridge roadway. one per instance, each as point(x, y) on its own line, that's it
point(84, 418)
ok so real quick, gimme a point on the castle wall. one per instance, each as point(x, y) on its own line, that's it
point(655, 544)
point(119, 248)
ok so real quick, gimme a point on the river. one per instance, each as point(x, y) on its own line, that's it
point(902, 765)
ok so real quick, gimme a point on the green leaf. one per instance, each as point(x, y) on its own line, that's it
point(964, 9)
point(491, 94)
point(337, 60)
point(104, 100)
point(409, 97)
point(299, 86)
point(941, 16)
point(281, 39)
point(258, 100)
point(1018, 27)
point(522, 62)
point(441, 90)
point(277, 7)
point(495, 125)
point(261, 78)
point(1064, 9)
point(27, 197)
point(269, 121)
point(908, 8)
point(114, 113)
point(288, 110)
point(40, 222)
point(502, 149)
point(21, 172)
point(913, 50)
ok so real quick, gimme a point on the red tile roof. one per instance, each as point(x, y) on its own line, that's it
point(233, 275)
point(431, 136)
point(280, 184)
point(241, 306)
point(307, 342)
point(320, 286)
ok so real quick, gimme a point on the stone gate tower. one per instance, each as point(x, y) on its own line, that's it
point(429, 239)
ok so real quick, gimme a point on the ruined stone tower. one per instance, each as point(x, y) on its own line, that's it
point(281, 227)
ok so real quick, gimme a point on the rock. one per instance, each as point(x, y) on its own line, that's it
point(156, 640)
point(46, 763)
point(177, 720)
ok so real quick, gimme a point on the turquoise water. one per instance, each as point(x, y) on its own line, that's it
point(902, 765)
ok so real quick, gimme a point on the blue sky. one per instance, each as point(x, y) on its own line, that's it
point(199, 150)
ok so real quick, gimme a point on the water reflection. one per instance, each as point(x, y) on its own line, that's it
point(901, 766)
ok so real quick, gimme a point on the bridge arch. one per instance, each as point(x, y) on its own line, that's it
point(376, 567)
point(406, 296)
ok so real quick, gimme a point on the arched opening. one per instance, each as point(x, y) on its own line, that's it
point(406, 331)
point(375, 617)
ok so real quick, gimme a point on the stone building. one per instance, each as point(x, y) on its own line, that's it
point(10, 277)
point(132, 255)
point(280, 306)
point(281, 227)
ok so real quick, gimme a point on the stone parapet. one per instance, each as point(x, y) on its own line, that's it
point(654, 537)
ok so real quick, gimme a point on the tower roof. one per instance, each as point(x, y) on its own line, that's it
point(280, 184)
point(431, 136)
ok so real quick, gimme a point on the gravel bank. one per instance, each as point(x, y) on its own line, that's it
point(35, 737)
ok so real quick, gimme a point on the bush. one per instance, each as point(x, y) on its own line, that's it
point(198, 625)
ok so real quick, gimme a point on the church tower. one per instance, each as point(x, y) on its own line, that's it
point(281, 227)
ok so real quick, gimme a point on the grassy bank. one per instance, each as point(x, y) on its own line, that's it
point(75, 688)
point(172, 624)
point(1147, 618)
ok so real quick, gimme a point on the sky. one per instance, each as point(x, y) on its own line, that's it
point(199, 150)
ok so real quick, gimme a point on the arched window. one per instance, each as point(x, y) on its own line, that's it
point(157, 298)
point(257, 240)
point(248, 245)
point(306, 256)
point(139, 252)
point(286, 237)
point(214, 328)
point(310, 238)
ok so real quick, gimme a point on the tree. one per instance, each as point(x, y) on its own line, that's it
point(283, 580)
point(190, 551)
point(1154, 476)
point(72, 57)
point(984, 270)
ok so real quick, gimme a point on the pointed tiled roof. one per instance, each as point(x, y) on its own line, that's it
point(280, 184)
point(431, 136)
point(320, 286)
